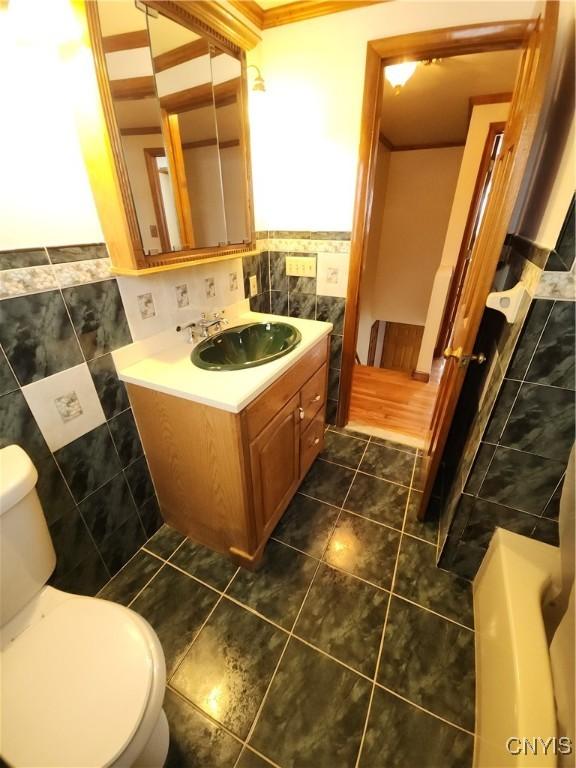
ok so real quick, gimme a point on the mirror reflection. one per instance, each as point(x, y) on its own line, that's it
point(177, 102)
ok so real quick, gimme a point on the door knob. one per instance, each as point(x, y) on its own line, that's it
point(463, 360)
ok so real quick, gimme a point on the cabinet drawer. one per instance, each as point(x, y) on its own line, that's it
point(311, 442)
point(313, 396)
point(266, 406)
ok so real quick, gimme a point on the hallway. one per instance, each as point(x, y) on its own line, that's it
point(391, 404)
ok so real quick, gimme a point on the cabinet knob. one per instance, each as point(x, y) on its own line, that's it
point(316, 441)
point(316, 399)
point(301, 413)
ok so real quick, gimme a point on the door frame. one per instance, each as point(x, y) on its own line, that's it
point(437, 43)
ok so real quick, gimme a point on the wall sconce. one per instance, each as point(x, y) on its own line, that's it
point(258, 85)
point(399, 74)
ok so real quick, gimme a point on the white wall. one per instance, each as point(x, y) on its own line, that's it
point(45, 196)
point(305, 130)
point(417, 206)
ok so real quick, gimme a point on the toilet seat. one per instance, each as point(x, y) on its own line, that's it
point(77, 686)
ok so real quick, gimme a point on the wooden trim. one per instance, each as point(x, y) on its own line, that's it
point(150, 155)
point(420, 376)
point(173, 144)
point(211, 143)
point(104, 157)
point(489, 98)
point(369, 132)
point(453, 41)
point(180, 55)
point(309, 9)
point(133, 88)
point(436, 145)
point(201, 96)
point(213, 20)
point(145, 130)
point(473, 38)
point(385, 142)
point(126, 41)
point(373, 342)
point(460, 268)
point(251, 10)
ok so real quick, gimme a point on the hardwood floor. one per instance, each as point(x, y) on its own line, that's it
point(393, 402)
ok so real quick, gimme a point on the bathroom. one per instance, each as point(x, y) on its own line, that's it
point(348, 639)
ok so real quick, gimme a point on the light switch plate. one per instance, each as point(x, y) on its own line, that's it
point(253, 285)
point(301, 266)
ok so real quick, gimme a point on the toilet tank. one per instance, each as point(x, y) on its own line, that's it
point(27, 556)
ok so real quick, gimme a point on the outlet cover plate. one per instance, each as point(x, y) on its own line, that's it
point(253, 285)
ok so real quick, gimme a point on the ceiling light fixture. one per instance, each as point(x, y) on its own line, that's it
point(399, 74)
point(258, 84)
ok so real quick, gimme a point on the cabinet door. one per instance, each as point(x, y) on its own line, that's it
point(275, 459)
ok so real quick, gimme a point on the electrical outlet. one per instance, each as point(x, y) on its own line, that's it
point(253, 285)
point(301, 266)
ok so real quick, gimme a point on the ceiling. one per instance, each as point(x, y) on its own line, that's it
point(433, 107)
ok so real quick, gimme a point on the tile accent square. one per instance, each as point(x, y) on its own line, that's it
point(332, 274)
point(65, 405)
point(229, 666)
point(314, 713)
point(37, 336)
point(146, 305)
point(182, 296)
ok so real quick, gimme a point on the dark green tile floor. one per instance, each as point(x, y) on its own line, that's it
point(347, 649)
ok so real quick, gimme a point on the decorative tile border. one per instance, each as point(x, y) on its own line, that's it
point(18, 282)
point(90, 266)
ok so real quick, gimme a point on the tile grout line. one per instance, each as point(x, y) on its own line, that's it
point(291, 633)
point(381, 646)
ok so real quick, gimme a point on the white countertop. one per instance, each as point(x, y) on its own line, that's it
point(170, 370)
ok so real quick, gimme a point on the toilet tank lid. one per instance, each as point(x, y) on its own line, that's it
point(18, 476)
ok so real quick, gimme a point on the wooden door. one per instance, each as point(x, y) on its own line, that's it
point(401, 346)
point(510, 167)
point(275, 462)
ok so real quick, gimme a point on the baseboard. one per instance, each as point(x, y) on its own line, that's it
point(420, 376)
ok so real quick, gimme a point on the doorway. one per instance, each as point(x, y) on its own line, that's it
point(455, 291)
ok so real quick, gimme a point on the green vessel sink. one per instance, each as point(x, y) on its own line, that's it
point(246, 346)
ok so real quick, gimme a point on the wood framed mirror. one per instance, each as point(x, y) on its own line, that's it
point(174, 100)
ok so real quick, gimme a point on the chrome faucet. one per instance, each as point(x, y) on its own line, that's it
point(203, 328)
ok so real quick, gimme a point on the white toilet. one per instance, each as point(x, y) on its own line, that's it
point(82, 679)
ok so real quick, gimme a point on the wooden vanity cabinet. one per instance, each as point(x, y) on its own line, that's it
point(224, 479)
